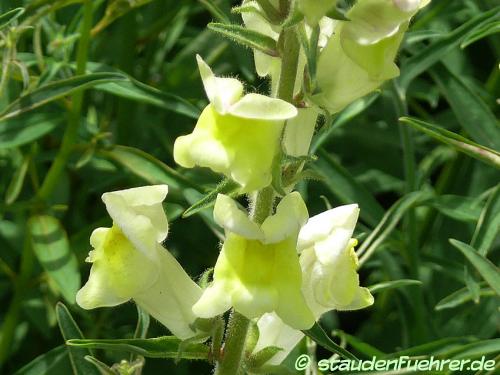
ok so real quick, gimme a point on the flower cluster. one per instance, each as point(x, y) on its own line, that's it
point(285, 271)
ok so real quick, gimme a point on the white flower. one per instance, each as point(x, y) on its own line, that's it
point(129, 262)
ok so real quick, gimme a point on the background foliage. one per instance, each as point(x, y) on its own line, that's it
point(417, 185)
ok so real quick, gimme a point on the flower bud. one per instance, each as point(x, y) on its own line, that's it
point(258, 269)
point(128, 262)
point(236, 135)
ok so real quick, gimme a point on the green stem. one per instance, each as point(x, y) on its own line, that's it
point(289, 62)
point(234, 347)
point(262, 205)
point(71, 134)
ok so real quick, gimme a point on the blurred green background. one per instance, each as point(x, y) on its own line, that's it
point(142, 90)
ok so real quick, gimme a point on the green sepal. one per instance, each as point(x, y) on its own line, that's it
point(246, 37)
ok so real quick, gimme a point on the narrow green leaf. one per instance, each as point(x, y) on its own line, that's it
point(394, 284)
point(227, 187)
point(481, 32)
point(70, 330)
point(246, 37)
point(17, 182)
point(460, 297)
point(27, 128)
point(390, 220)
point(470, 110)
point(215, 11)
point(140, 92)
point(159, 347)
point(489, 272)
point(11, 15)
point(345, 187)
point(319, 336)
point(147, 167)
point(488, 224)
point(457, 207)
point(55, 361)
point(360, 346)
point(56, 90)
point(434, 347)
point(430, 55)
point(456, 141)
point(51, 246)
point(475, 349)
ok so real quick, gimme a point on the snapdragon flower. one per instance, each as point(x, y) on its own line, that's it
point(330, 279)
point(258, 269)
point(129, 262)
point(236, 135)
point(360, 55)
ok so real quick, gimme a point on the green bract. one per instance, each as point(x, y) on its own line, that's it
point(360, 55)
point(258, 269)
point(237, 135)
point(128, 262)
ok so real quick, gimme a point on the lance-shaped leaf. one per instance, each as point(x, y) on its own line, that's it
point(27, 128)
point(462, 296)
point(55, 361)
point(430, 55)
point(471, 111)
point(319, 336)
point(249, 38)
point(51, 246)
point(11, 15)
point(56, 90)
point(394, 284)
point(159, 347)
point(147, 167)
point(227, 187)
point(486, 268)
point(456, 141)
point(390, 220)
point(70, 330)
point(488, 225)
